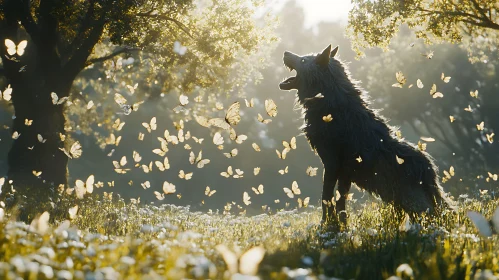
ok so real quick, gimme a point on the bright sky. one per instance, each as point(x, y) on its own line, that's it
point(320, 10)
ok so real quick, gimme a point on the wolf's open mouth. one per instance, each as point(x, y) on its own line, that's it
point(288, 84)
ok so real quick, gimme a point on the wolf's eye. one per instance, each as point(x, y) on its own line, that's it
point(303, 60)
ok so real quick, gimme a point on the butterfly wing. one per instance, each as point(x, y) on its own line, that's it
point(232, 116)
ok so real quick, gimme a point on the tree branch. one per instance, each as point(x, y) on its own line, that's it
point(167, 18)
point(111, 55)
point(84, 27)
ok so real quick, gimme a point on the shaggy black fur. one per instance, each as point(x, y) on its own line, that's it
point(358, 131)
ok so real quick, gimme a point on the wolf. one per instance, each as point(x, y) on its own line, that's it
point(355, 143)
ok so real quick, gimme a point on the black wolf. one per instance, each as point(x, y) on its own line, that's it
point(357, 145)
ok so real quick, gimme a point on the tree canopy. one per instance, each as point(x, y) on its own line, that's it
point(473, 22)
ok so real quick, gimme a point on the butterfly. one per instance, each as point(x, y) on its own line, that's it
point(118, 166)
point(127, 109)
point(159, 196)
point(246, 198)
point(82, 188)
point(203, 121)
point(399, 160)
point(151, 125)
point(295, 190)
point(327, 118)
point(232, 153)
point(74, 151)
point(146, 185)
point(283, 154)
point(262, 120)
point(427, 139)
point(118, 125)
point(290, 145)
point(136, 157)
point(40, 138)
point(401, 80)
point(7, 94)
point(232, 117)
point(271, 107)
point(132, 88)
point(162, 166)
point(218, 139)
point(256, 171)
point(283, 171)
point(147, 168)
point(258, 190)
point(256, 147)
point(486, 227)
point(474, 93)
point(141, 136)
point(311, 171)
point(419, 83)
point(168, 188)
point(183, 100)
point(185, 176)
point(37, 173)
point(303, 203)
point(452, 119)
point(428, 55)
point(445, 79)
point(73, 211)
point(434, 93)
point(239, 139)
point(113, 140)
point(12, 49)
point(421, 146)
point(163, 149)
point(199, 161)
point(250, 103)
point(227, 173)
point(209, 192)
point(490, 137)
point(56, 100)
point(15, 135)
point(480, 126)
point(247, 263)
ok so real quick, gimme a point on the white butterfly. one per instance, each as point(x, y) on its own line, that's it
point(56, 100)
point(295, 190)
point(82, 188)
point(151, 125)
point(199, 161)
point(7, 94)
point(12, 49)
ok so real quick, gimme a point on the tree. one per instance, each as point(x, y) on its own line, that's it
point(65, 37)
point(472, 22)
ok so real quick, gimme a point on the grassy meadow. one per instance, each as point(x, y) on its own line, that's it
point(112, 239)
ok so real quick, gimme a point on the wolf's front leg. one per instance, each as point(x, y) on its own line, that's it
point(343, 188)
point(330, 178)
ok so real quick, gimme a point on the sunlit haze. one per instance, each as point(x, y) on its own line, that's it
point(320, 10)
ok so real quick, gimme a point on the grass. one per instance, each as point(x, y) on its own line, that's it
point(113, 239)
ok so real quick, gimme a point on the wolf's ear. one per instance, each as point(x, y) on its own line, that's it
point(333, 53)
point(323, 58)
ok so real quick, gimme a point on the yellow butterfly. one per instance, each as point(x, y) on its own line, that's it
point(256, 147)
point(159, 196)
point(118, 166)
point(163, 149)
point(295, 190)
point(12, 49)
point(258, 190)
point(312, 171)
point(162, 166)
point(227, 173)
point(303, 203)
point(452, 119)
point(427, 139)
point(203, 121)
point(147, 168)
point(468, 109)
point(271, 107)
point(113, 140)
point(40, 138)
point(198, 140)
point(169, 188)
point(399, 160)
point(74, 151)
point(445, 79)
point(401, 80)
point(434, 93)
point(151, 125)
point(28, 122)
point(232, 117)
point(199, 161)
point(185, 176)
point(239, 173)
point(290, 145)
point(283, 171)
point(421, 146)
point(132, 88)
point(250, 103)
point(490, 137)
point(136, 157)
point(474, 93)
point(73, 212)
point(480, 126)
point(262, 120)
point(141, 136)
point(37, 173)
point(283, 154)
point(118, 125)
point(232, 153)
point(183, 100)
point(256, 170)
point(146, 185)
point(327, 118)
point(15, 135)
point(209, 192)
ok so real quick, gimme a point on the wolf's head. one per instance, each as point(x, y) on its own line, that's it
point(314, 73)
